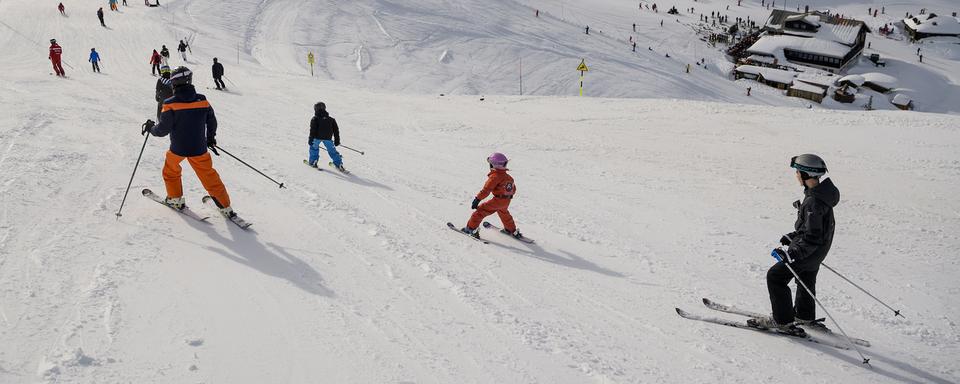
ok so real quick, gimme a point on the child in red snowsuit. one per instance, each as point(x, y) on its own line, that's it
point(501, 186)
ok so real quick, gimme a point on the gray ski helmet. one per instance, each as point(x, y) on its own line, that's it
point(809, 165)
point(181, 76)
point(319, 106)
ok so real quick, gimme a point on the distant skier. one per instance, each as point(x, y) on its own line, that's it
point(501, 185)
point(182, 48)
point(55, 53)
point(95, 59)
point(218, 74)
point(165, 54)
point(113, 5)
point(164, 89)
point(155, 60)
point(100, 16)
point(323, 128)
point(62, 9)
point(587, 30)
point(190, 121)
point(807, 246)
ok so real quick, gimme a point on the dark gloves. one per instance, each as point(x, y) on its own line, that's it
point(475, 204)
point(785, 241)
point(212, 144)
point(336, 143)
point(146, 127)
point(796, 204)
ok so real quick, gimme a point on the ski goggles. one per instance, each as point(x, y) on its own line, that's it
point(804, 168)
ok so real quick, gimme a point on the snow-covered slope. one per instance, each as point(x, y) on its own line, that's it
point(638, 206)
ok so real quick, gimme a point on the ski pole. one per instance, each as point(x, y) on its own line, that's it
point(896, 312)
point(147, 136)
point(251, 167)
point(360, 152)
point(804, 285)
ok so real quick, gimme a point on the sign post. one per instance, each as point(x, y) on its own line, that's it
point(311, 61)
point(582, 68)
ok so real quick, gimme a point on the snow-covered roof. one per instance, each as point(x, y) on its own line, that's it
point(901, 99)
point(881, 79)
point(815, 78)
point(852, 79)
point(843, 31)
point(801, 86)
point(941, 25)
point(760, 59)
point(774, 45)
point(772, 74)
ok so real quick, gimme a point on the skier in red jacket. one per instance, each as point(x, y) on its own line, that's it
point(55, 52)
point(155, 60)
point(501, 185)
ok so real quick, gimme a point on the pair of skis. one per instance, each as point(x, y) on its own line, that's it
point(340, 168)
point(489, 225)
point(186, 211)
point(815, 334)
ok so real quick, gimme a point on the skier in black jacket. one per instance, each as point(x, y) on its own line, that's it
point(323, 127)
point(164, 88)
point(808, 246)
point(218, 74)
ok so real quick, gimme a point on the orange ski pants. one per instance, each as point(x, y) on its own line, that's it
point(488, 208)
point(203, 167)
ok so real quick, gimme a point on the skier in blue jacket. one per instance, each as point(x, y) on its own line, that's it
point(95, 59)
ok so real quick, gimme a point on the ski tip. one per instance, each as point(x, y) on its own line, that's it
point(680, 311)
point(146, 191)
point(706, 301)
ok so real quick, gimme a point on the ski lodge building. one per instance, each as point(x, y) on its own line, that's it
point(812, 39)
point(931, 25)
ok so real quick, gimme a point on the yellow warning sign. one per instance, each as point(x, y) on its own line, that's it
point(583, 66)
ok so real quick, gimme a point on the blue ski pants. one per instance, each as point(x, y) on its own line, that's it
point(331, 150)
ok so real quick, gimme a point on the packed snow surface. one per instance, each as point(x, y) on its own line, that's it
point(637, 206)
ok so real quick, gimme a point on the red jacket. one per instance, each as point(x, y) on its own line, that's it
point(499, 183)
point(155, 59)
point(55, 52)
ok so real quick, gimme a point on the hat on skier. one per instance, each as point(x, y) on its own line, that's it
point(164, 69)
point(809, 165)
point(181, 76)
point(53, 41)
point(497, 160)
point(319, 106)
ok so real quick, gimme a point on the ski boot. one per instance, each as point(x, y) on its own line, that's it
point(472, 232)
point(228, 212)
point(812, 324)
point(309, 164)
point(516, 233)
point(768, 323)
point(178, 203)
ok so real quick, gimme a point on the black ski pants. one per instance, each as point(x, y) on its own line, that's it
point(219, 82)
point(778, 278)
point(96, 66)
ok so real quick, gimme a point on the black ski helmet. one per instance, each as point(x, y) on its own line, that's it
point(181, 76)
point(809, 165)
point(319, 107)
point(53, 41)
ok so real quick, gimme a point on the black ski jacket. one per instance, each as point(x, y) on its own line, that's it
point(815, 223)
point(182, 47)
point(217, 70)
point(323, 127)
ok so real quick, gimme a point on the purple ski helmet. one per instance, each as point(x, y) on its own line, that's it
point(498, 160)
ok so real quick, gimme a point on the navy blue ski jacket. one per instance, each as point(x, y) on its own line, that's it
point(189, 120)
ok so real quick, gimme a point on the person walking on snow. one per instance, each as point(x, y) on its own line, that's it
point(100, 16)
point(164, 89)
point(218, 74)
point(183, 50)
point(55, 53)
point(323, 127)
point(95, 59)
point(61, 9)
point(165, 55)
point(192, 125)
point(155, 60)
point(807, 247)
point(501, 185)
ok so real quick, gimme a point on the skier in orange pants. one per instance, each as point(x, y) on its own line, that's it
point(190, 121)
point(501, 185)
